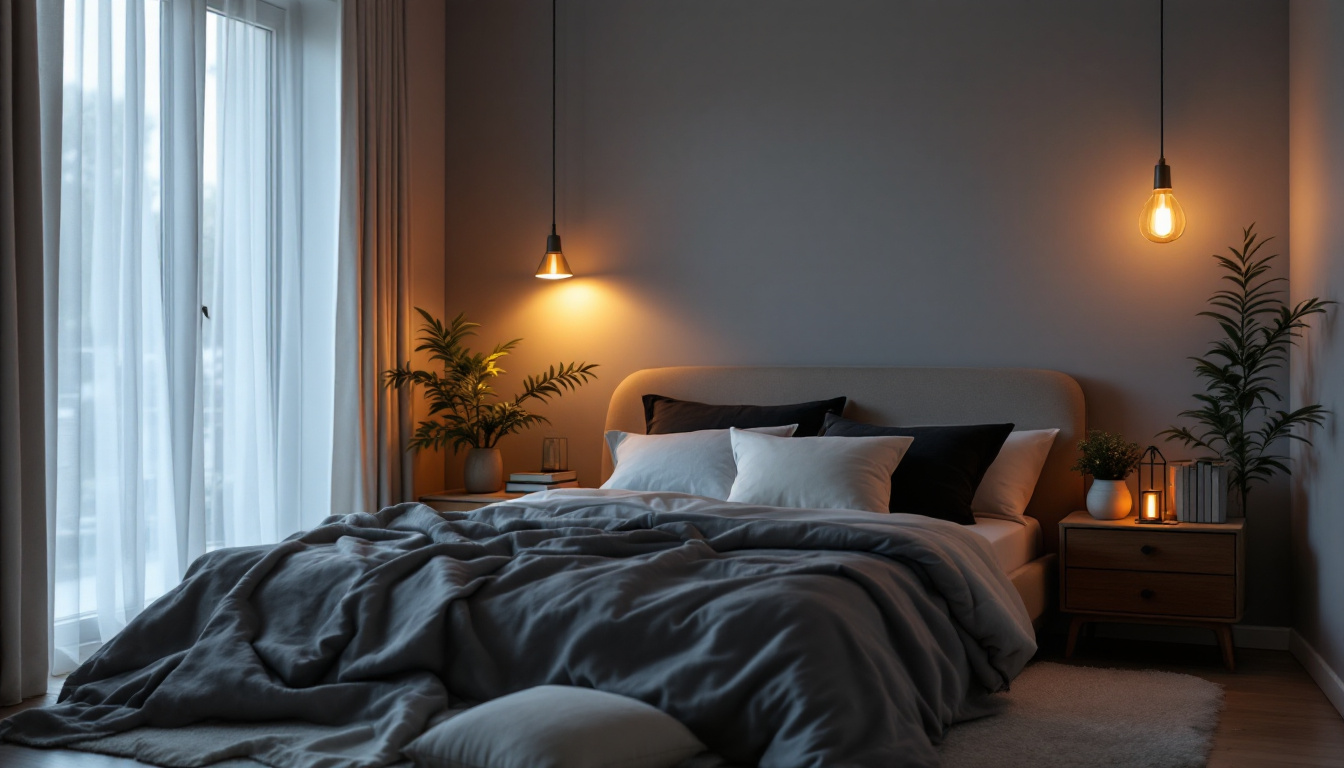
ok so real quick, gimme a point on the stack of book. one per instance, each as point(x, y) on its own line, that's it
point(531, 482)
point(1199, 491)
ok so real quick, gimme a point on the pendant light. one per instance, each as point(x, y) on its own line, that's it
point(1162, 219)
point(553, 265)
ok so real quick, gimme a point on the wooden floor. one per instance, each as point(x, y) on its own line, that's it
point(1273, 715)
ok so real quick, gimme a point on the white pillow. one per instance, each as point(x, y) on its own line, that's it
point(816, 472)
point(1011, 478)
point(556, 726)
point(699, 463)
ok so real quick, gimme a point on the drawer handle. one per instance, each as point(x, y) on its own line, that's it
point(1147, 594)
point(1147, 549)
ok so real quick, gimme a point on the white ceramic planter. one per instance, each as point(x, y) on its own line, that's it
point(483, 470)
point(1109, 499)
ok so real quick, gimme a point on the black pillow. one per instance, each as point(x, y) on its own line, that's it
point(666, 415)
point(941, 470)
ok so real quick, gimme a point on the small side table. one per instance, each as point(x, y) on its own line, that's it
point(458, 500)
point(1189, 574)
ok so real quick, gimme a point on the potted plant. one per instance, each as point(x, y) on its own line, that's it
point(464, 410)
point(1236, 422)
point(1108, 459)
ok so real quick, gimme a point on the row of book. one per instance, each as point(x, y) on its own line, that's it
point(1199, 491)
point(531, 482)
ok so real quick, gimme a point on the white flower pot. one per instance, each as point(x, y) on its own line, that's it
point(483, 470)
point(1109, 499)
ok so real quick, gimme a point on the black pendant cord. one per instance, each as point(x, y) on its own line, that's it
point(1161, 79)
point(553, 58)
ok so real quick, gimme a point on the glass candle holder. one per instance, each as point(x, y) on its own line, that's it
point(554, 454)
point(1150, 507)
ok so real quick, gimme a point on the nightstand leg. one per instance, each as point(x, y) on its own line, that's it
point(1225, 642)
point(1074, 627)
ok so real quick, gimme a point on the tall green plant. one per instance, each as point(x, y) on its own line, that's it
point(1236, 420)
point(463, 407)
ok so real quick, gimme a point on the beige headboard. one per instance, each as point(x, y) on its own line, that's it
point(1029, 398)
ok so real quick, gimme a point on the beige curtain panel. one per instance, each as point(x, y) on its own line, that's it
point(23, 506)
point(371, 467)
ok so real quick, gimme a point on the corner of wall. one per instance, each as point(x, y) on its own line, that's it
point(1316, 190)
point(1321, 673)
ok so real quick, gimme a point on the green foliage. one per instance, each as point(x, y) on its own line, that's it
point(1236, 421)
point(464, 410)
point(1106, 457)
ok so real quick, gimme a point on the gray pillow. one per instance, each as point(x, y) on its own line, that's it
point(556, 726)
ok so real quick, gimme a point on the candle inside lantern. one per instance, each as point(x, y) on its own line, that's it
point(1151, 508)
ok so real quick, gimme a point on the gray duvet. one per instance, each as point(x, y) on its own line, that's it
point(787, 638)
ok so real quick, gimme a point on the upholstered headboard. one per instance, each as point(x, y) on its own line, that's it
point(1029, 398)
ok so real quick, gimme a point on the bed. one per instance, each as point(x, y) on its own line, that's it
point(779, 637)
point(1029, 398)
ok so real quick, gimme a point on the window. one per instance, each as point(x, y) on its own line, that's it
point(241, 275)
point(196, 295)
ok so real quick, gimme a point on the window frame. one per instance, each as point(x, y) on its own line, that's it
point(275, 18)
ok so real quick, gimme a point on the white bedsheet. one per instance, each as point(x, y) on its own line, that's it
point(1014, 544)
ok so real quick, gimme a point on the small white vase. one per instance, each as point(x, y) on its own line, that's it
point(1109, 499)
point(483, 470)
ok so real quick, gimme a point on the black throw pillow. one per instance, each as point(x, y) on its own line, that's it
point(941, 470)
point(666, 415)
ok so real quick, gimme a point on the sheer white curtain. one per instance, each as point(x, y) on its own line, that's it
point(178, 372)
point(252, 349)
point(117, 523)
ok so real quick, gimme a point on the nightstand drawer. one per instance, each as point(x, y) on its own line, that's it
point(1166, 594)
point(1153, 550)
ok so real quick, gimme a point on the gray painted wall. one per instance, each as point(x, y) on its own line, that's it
point(1317, 196)
point(867, 183)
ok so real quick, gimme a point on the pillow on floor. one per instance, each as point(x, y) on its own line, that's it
point(665, 415)
point(556, 726)
point(699, 463)
point(941, 471)
point(815, 472)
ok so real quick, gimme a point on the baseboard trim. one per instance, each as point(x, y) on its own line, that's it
point(1325, 678)
point(1264, 638)
point(1243, 635)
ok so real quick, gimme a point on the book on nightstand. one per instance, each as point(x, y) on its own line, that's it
point(513, 487)
point(543, 477)
point(1199, 491)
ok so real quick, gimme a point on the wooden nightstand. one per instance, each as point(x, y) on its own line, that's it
point(1117, 570)
point(460, 501)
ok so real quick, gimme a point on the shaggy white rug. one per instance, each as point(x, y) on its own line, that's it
point(1059, 716)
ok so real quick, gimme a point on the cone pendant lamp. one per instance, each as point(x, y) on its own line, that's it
point(553, 265)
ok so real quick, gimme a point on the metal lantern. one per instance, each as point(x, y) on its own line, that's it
point(1152, 472)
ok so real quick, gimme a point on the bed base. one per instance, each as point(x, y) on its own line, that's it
point(1036, 583)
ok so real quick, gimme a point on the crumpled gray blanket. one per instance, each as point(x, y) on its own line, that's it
point(781, 638)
